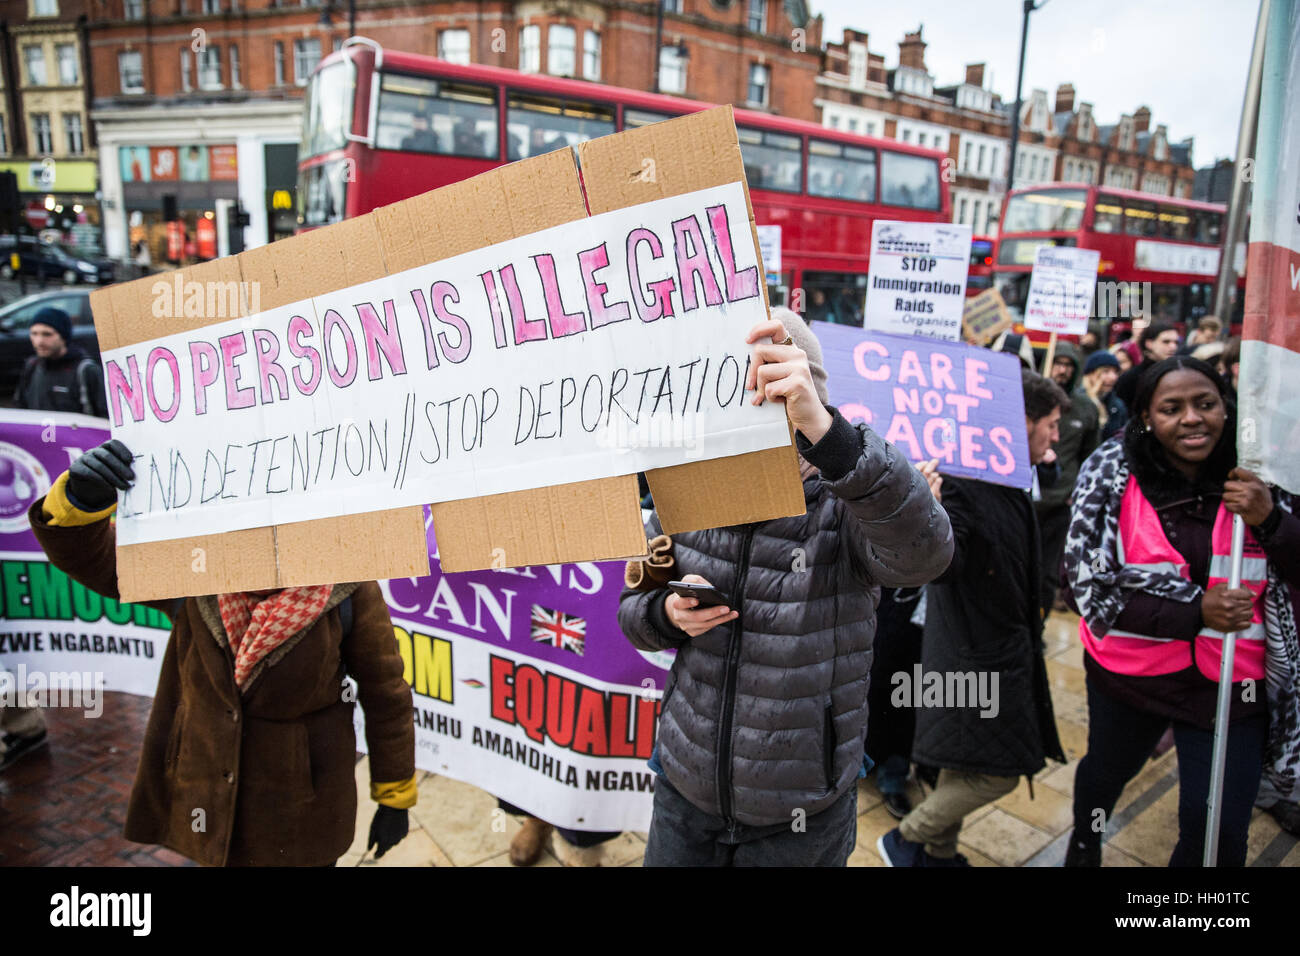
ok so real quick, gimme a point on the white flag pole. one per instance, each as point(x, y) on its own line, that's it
point(1215, 797)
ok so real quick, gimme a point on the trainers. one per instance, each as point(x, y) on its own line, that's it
point(896, 851)
point(1287, 815)
point(13, 748)
point(897, 804)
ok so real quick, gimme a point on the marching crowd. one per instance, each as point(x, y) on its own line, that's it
point(779, 701)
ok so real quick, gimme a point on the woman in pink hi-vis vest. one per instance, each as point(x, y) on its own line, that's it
point(1146, 566)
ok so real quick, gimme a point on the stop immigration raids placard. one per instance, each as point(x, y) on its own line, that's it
point(916, 278)
point(602, 347)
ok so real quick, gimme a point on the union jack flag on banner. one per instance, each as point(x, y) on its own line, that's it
point(1268, 400)
point(559, 629)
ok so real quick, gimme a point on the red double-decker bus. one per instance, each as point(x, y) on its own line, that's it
point(1159, 255)
point(381, 126)
point(980, 274)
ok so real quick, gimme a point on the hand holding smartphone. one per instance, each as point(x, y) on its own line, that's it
point(696, 606)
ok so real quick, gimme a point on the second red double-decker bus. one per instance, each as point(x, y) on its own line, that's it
point(1159, 255)
point(381, 126)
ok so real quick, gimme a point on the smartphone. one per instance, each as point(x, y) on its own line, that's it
point(706, 594)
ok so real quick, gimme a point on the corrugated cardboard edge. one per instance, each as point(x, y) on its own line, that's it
point(686, 154)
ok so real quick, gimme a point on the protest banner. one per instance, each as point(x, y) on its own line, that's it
point(55, 634)
point(985, 317)
point(960, 404)
point(525, 686)
point(769, 248)
point(1061, 289)
point(571, 512)
point(916, 278)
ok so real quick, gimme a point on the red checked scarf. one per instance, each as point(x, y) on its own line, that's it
point(258, 625)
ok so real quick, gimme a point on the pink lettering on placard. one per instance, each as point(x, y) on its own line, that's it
point(422, 310)
point(494, 306)
point(909, 368)
point(970, 447)
point(562, 323)
point(942, 449)
point(1004, 462)
point(441, 293)
point(127, 385)
point(693, 264)
point(331, 322)
point(591, 261)
point(932, 402)
point(740, 285)
point(854, 413)
point(526, 329)
point(268, 366)
point(902, 433)
point(298, 329)
point(165, 356)
point(232, 346)
point(660, 303)
point(207, 369)
point(381, 335)
point(879, 373)
point(962, 403)
point(975, 371)
point(941, 372)
point(907, 400)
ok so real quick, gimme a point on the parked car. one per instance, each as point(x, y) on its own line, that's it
point(52, 260)
point(16, 320)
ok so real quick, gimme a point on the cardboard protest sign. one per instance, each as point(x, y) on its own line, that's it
point(442, 365)
point(957, 403)
point(56, 635)
point(1061, 289)
point(916, 278)
point(985, 318)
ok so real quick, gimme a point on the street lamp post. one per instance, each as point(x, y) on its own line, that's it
point(1030, 7)
point(659, 39)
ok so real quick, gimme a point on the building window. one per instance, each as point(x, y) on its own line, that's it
point(869, 128)
point(4, 136)
point(759, 79)
point(672, 6)
point(979, 163)
point(211, 6)
point(561, 50)
point(994, 156)
point(133, 9)
point(131, 71)
point(41, 135)
point(66, 56)
point(965, 162)
point(306, 54)
point(210, 68)
point(453, 46)
point(672, 70)
point(591, 55)
point(235, 81)
point(72, 134)
point(34, 60)
point(185, 71)
point(853, 124)
point(530, 49)
point(757, 18)
point(45, 8)
point(962, 210)
point(279, 63)
point(907, 136)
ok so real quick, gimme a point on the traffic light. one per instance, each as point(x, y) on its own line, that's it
point(237, 220)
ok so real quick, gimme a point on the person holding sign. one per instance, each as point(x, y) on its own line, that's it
point(249, 756)
point(1146, 564)
point(765, 711)
point(984, 708)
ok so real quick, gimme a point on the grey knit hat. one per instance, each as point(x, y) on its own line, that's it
point(804, 338)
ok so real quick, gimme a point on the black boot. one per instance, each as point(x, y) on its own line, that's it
point(1083, 852)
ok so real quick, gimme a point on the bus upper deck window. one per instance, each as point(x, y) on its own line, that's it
point(425, 115)
point(909, 181)
point(841, 172)
point(772, 160)
point(536, 125)
point(1108, 215)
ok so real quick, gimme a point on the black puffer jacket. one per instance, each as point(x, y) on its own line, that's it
point(982, 617)
point(768, 713)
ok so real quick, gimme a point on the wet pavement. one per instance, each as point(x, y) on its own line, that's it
point(65, 805)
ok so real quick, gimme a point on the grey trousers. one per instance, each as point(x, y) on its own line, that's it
point(936, 820)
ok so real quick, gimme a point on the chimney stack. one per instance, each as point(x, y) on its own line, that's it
point(1142, 119)
point(975, 74)
point(1065, 98)
point(911, 52)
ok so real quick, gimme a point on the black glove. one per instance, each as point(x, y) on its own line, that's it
point(96, 477)
point(387, 829)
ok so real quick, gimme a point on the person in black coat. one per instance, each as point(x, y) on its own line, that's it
point(985, 712)
point(60, 377)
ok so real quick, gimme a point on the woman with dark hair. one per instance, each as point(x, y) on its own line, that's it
point(1146, 564)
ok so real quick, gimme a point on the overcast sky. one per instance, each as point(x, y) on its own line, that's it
point(1185, 59)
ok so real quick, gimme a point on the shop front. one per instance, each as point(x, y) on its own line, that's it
point(58, 200)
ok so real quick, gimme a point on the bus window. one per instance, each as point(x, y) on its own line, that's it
point(636, 118)
point(323, 190)
point(1175, 223)
point(909, 181)
point(1208, 225)
point(981, 252)
point(1049, 210)
point(328, 113)
point(841, 172)
point(839, 297)
point(1108, 215)
point(537, 124)
point(772, 160)
point(1140, 218)
point(422, 115)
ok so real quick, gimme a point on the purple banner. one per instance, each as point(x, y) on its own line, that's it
point(930, 399)
point(35, 448)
